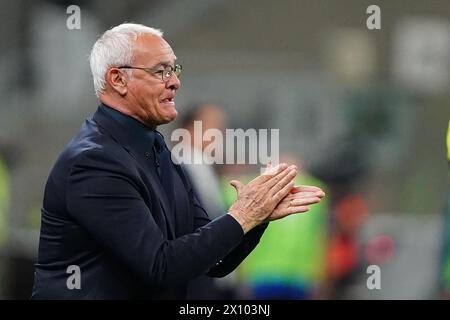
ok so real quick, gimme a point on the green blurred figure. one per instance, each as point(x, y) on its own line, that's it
point(4, 207)
point(290, 260)
point(4, 200)
point(445, 281)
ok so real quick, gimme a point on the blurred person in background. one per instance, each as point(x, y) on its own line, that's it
point(4, 201)
point(117, 208)
point(4, 211)
point(207, 116)
point(445, 272)
point(348, 213)
point(16, 266)
point(291, 261)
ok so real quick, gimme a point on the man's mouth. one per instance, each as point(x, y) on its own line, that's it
point(168, 101)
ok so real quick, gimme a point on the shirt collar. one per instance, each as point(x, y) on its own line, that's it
point(142, 137)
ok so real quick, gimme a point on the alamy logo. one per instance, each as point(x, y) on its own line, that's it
point(74, 280)
point(74, 19)
point(374, 280)
point(374, 20)
point(242, 146)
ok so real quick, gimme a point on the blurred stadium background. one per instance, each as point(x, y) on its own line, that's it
point(365, 112)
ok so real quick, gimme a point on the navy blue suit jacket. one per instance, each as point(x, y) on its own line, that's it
point(105, 211)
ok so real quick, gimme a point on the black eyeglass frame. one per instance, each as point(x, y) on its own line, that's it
point(166, 73)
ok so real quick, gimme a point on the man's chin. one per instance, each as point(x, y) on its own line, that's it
point(171, 116)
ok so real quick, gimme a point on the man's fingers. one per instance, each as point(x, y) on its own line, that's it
point(270, 173)
point(284, 212)
point(304, 201)
point(306, 188)
point(296, 209)
point(300, 195)
point(303, 188)
point(280, 180)
point(298, 202)
point(276, 185)
point(316, 190)
point(237, 185)
point(277, 197)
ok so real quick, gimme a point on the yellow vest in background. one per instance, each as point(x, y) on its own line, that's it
point(4, 200)
point(448, 141)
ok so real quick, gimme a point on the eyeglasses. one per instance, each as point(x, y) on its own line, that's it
point(163, 72)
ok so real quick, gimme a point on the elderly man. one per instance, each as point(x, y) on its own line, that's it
point(119, 219)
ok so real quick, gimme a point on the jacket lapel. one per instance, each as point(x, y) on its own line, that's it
point(118, 133)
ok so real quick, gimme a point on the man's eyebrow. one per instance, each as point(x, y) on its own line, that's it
point(164, 63)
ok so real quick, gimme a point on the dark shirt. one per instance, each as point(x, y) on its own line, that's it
point(106, 211)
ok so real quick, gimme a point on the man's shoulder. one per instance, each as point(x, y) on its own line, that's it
point(90, 146)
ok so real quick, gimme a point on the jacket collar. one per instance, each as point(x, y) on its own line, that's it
point(138, 140)
point(141, 137)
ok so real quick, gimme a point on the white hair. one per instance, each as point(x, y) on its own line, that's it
point(113, 49)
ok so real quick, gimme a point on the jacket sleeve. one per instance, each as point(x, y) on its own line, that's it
point(102, 195)
point(231, 261)
point(235, 257)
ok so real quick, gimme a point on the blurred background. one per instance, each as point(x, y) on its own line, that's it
point(364, 112)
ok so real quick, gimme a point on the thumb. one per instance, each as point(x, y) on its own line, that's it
point(237, 185)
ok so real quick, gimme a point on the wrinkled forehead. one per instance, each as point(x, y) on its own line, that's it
point(150, 50)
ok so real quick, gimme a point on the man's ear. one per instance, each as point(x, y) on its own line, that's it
point(117, 80)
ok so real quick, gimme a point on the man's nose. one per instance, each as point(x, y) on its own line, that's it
point(174, 82)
